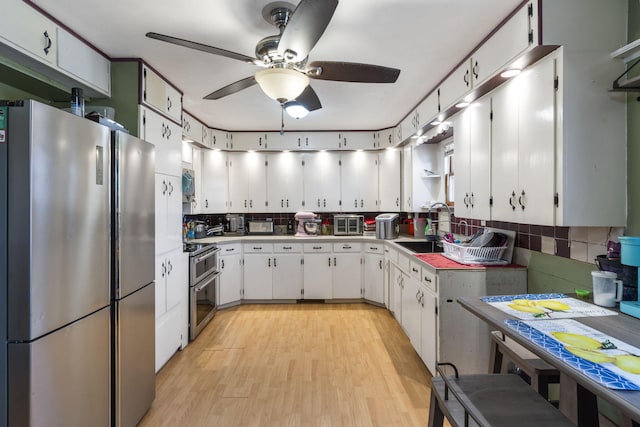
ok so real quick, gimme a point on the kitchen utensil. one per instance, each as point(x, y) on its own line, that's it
point(607, 290)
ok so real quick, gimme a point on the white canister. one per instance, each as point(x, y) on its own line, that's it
point(607, 290)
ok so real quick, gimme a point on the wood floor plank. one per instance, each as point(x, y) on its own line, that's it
point(295, 365)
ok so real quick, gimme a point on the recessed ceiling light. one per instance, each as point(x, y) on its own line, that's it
point(462, 104)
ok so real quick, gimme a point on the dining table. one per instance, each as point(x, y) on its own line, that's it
point(580, 388)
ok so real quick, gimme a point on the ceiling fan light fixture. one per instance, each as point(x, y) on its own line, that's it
point(295, 109)
point(281, 84)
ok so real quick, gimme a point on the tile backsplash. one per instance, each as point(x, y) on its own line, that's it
point(578, 243)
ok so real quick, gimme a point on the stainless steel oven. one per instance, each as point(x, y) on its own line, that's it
point(203, 277)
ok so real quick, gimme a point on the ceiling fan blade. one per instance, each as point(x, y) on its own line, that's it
point(202, 47)
point(232, 88)
point(305, 27)
point(309, 99)
point(353, 72)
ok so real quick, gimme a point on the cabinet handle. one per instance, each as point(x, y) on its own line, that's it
point(471, 200)
point(511, 200)
point(287, 202)
point(465, 78)
point(164, 187)
point(422, 299)
point(164, 269)
point(206, 203)
point(466, 200)
point(325, 203)
point(427, 279)
point(251, 203)
point(418, 296)
point(317, 247)
point(318, 202)
point(521, 200)
point(398, 201)
point(281, 203)
point(257, 248)
point(229, 249)
point(170, 267)
point(269, 262)
point(380, 263)
point(49, 42)
point(222, 262)
point(287, 247)
point(274, 262)
point(334, 261)
point(373, 248)
point(169, 105)
point(346, 246)
point(361, 203)
point(475, 69)
point(245, 203)
point(415, 270)
point(170, 188)
point(329, 261)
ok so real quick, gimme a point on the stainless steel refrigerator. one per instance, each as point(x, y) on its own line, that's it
point(133, 272)
point(55, 276)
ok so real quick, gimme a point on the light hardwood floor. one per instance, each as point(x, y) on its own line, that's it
point(295, 365)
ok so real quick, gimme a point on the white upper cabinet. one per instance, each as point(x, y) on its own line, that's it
point(389, 180)
point(219, 139)
point(84, 63)
point(472, 160)
point(359, 181)
point(160, 95)
point(166, 136)
point(356, 140)
point(35, 41)
point(247, 182)
point(214, 182)
point(192, 130)
point(253, 141)
point(456, 85)
point(321, 180)
point(28, 31)
point(284, 176)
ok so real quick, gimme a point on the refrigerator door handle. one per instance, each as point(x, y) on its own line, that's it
point(210, 280)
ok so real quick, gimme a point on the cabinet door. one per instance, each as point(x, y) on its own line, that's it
point(462, 150)
point(251, 141)
point(502, 47)
point(215, 192)
point(317, 276)
point(456, 86)
point(397, 279)
point(373, 277)
point(428, 343)
point(287, 276)
point(161, 190)
point(284, 172)
point(197, 205)
point(230, 279)
point(321, 180)
point(359, 177)
point(28, 31)
point(87, 65)
point(347, 275)
point(411, 311)
point(407, 179)
point(258, 276)
point(238, 183)
point(161, 285)
point(154, 91)
point(389, 180)
point(167, 138)
point(536, 145)
point(173, 103)
point(504, 152)
point(356, 140)
point(177, 284)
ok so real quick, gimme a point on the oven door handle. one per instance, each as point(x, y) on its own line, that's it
point(207, 255)
point(210, 279)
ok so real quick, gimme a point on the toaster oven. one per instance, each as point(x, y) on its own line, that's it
point(348, 225)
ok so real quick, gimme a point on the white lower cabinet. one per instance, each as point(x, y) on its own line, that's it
point(258, 267)
point(172, 290)
point(230, 279)
point(428, 332)
point(287, 271)
point(373, 273)
point(347, 270)
point(411, 311)
point(317, 271)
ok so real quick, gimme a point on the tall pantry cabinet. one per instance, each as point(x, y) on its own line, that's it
point(151, 107)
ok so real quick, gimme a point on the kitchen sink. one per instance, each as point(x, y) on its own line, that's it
point(421, 246)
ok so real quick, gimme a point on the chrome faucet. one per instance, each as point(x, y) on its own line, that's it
point(444, 205)
point(466, 227)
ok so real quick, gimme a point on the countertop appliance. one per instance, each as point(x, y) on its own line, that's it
point(387, 226)
point(133, 275)
point(308, 224)
point(54, 285)
point(348, 225)
point(259, 227)
point(203, 277)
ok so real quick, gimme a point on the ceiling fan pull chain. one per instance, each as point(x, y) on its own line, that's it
point(282, 119)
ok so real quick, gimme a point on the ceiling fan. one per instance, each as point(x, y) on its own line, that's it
point(284, 56)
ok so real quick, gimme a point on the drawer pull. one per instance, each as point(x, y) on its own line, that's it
point(229, 249)
point(257, 248)
point(317, 247)
point(428, 279)
point(288, 248)
point(415, 270)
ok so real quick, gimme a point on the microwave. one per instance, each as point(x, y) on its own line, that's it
point(348, 225)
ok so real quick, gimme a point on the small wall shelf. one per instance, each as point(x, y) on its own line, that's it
point(628, 52)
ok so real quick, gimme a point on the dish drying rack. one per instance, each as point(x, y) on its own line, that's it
point(474, 255)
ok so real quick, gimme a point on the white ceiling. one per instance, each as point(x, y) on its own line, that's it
point(423, 38)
